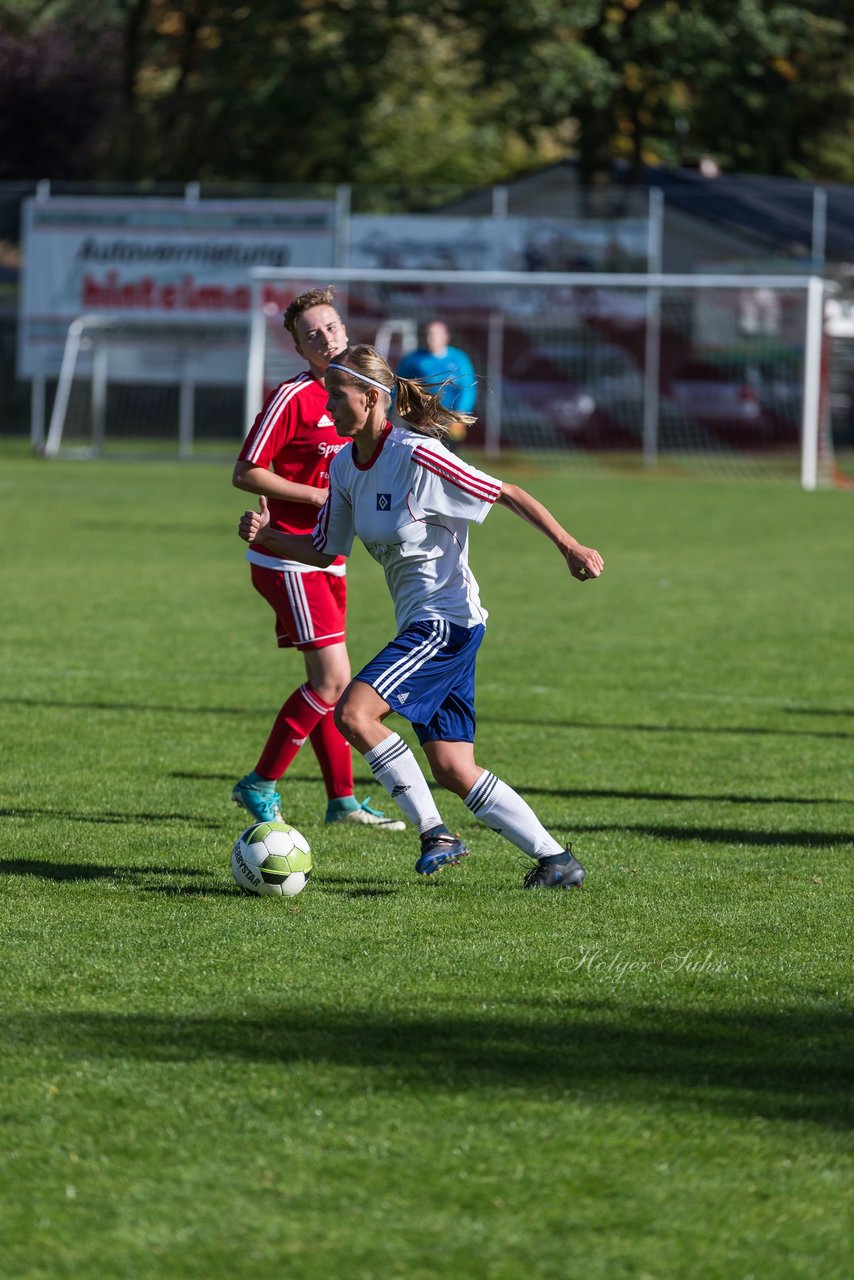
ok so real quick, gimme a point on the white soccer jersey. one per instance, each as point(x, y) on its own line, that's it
point(411, 504)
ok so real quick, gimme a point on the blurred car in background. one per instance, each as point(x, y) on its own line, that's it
point(589, 394)
point(750, 403)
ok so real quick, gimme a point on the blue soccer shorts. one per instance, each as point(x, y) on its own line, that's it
point(426, 675)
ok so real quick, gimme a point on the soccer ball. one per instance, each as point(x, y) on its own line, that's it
point(271, 857)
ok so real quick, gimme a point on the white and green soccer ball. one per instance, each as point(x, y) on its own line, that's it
point(271, 857)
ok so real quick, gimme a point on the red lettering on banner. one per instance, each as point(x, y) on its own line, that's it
point(145, 294)
point(88, 292)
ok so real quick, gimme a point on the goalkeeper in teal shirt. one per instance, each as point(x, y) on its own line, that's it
point(441, 366)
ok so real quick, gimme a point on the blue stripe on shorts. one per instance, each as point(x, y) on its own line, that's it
point(426, 674)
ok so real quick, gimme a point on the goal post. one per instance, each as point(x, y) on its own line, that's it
point(814, 392)
point(724, 372)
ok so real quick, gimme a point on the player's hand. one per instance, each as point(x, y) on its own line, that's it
point(584, 563)
point(253, 523)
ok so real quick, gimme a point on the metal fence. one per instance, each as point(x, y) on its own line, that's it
point(806, 230)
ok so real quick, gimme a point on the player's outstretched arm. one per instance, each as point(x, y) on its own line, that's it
point(583, 562)
point(254, 528)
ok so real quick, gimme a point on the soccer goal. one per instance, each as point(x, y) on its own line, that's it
point(152, 387)
point(724, 373)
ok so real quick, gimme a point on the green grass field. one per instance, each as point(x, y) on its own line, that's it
point(390, 1078)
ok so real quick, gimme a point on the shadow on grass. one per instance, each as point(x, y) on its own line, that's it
point(727, 835)
point(737, 729)
point(141, 877)
point(589, 793)
point(191, 890)
point(109, 818)
point(172, 708)
point(538, 722)
point(569, 792)
point(366, 886)
point(819, 711)
point(137, 876)
point(793, 1064)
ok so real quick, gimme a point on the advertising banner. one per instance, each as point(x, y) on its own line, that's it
point(160, 264)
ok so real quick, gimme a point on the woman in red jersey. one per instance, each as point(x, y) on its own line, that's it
point(285, 458)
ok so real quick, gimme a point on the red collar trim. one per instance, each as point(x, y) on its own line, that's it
point(366, 466)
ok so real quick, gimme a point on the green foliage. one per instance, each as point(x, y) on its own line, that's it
point(456, 92)
point(387, 1078)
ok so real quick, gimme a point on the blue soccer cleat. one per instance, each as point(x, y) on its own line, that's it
point(439, 848)
point(263, 803)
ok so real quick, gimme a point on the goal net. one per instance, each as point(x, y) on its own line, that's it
point(157, 388)
point(721, 373)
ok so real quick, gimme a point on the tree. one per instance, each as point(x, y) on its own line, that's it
point(390, 91)
point(54, 95)
point(754, 82)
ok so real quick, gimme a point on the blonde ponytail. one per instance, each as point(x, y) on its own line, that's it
point(420, 407)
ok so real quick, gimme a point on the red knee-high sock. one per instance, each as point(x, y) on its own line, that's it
point(302, 712)
point(334, 757)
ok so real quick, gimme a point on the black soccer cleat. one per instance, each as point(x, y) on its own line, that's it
point(560, 871)
point(439, 848)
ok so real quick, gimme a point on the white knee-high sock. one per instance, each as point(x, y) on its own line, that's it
point(499, 807)
point(396, 769)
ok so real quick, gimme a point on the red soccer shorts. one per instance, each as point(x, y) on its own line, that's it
point(310, 608)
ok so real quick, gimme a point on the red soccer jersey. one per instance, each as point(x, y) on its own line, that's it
point(294, 433)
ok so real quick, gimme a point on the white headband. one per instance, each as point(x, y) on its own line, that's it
point(363, 377)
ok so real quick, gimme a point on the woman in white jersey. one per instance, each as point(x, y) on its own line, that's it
point(410, 501)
